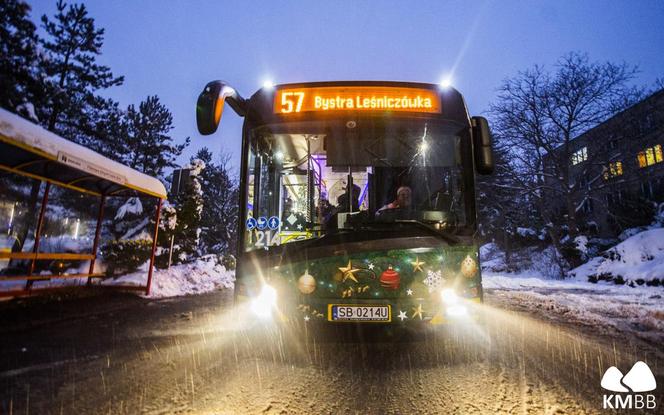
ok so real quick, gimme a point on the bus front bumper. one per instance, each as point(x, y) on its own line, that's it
point(333, 311)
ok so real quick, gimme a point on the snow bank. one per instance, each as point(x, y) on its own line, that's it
point(534, 261)
point(61, 243)
point(526, 280)
point(492, 258)
point(658, 222)
point(201, 276)
point(639, 257)
point(605, 306)
point(581, 243)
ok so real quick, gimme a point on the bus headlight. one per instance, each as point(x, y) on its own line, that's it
point(456, 310)
point(452, 303)
point(449, 296)
point(263, 304)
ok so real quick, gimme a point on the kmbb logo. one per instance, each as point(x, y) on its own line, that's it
point(638, 380)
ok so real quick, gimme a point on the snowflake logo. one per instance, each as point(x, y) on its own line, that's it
point(433, 280)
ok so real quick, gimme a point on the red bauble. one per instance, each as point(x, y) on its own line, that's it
point(390, 279)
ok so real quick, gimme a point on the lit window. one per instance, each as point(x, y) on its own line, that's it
point(650, 156)
point(580, 156)
point(615, 169)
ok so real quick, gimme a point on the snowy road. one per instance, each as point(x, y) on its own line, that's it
point(614, 310)
point(186, 355)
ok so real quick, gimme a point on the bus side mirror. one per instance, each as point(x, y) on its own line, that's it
point(210, 105)
point(482, 147)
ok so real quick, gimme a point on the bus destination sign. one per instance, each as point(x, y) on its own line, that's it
point(356, 98)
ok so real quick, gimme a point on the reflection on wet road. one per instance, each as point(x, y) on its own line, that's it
point(197, 355)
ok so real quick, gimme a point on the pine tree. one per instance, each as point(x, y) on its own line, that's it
point(67, 79)
point(71, 75)
point(220, 205)
point(130, 220)
point(18, 58)
point(188, 206)
point(97, 129)
point(145, 143)
point(18, 79)
point(140, 138)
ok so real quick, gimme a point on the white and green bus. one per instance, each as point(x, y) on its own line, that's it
point(358, 201)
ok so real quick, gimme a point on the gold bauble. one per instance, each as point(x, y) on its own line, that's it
point(338, 276)
point(307, 283)
point(468, 267)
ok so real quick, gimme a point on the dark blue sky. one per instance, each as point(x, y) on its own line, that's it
point(172, 48)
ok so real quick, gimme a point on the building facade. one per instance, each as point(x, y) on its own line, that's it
point(616, 170)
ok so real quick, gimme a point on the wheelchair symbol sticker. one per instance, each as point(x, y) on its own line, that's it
point(251, 224)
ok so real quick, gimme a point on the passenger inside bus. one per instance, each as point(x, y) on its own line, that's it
point(324, 209)
point(403, 200)
point(346, 205)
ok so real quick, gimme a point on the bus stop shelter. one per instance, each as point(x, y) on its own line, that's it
point(29, 150)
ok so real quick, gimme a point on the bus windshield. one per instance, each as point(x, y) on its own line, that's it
point(308, 179)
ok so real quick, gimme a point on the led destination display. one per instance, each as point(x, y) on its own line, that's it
point(357, 98)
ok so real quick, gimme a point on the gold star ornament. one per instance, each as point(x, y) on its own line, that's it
point(417, 311)
point(417, 264)
point(349, 272)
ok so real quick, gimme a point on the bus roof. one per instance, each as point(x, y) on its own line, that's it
point(364, 83)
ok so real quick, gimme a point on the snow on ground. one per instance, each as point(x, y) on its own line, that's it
point(540, 263)
point(633, 307)
point(641, 256)
point(603, 306)
point(200, 276)
point(492, 257)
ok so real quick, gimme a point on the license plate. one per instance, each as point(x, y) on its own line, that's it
point(372, 313)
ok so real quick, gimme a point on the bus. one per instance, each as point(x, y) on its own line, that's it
point(357, 201)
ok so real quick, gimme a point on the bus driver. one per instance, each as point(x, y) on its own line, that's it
point(403, 200)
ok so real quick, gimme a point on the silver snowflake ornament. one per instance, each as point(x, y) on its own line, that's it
point(433, 280)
